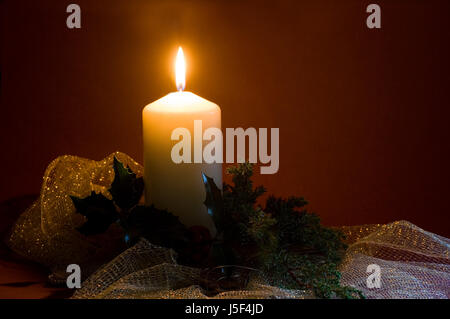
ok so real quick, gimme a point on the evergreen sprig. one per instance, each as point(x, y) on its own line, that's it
point(282, 239)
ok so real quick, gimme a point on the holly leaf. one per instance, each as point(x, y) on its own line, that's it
point(126, 189)
point(99, 211)
point(214, 202)
point(157, 226)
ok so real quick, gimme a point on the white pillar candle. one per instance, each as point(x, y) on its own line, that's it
point(179, 187)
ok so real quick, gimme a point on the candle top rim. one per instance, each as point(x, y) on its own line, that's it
point(181, 102)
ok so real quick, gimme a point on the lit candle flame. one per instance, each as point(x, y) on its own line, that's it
point(180, 70)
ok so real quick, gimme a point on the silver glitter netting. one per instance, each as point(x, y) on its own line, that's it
point(414, 263)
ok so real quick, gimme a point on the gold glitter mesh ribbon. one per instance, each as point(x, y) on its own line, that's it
point(414, 263)
point(46, 232)
point(148, 271)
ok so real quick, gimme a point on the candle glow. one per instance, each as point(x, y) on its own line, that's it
point(180, 70)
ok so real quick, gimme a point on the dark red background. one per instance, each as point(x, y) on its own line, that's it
point(363, 114)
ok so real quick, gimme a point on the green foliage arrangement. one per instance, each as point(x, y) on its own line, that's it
point(283, 240)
